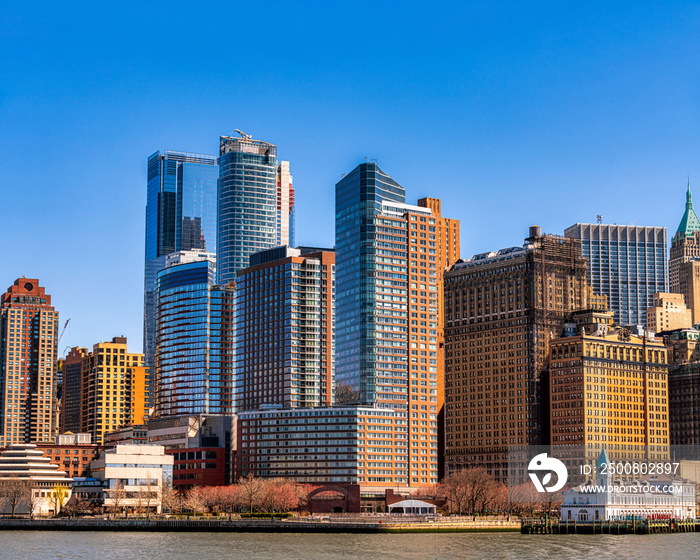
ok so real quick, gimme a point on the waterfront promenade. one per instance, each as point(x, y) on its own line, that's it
point(311, 524)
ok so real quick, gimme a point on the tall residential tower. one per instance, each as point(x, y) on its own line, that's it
point(390, 260)
point(285, 308)
point(28, 338)
point(194, 353)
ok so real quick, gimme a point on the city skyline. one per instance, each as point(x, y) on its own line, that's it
point(505, 110)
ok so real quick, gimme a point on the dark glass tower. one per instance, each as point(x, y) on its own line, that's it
point(246, 204)
point(180, 215)
point(358, 201)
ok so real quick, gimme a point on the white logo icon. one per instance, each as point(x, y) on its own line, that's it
point(543, 463)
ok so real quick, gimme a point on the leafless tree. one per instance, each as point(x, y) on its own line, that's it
point(170, 498)
point(194, 500)
point(344, 394)
point(118, 495)
point(31, 498)
point(251, 490)
point(13, 494)
point(470, 491)
point(279, 495)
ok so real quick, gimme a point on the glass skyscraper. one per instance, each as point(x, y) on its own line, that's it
point(180, 216)
point(629, 264)
point(195, 354)
point(246, 203)
point(358, 200)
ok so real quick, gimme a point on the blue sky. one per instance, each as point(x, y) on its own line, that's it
point(513, 114)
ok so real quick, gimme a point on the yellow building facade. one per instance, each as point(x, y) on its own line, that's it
point(114, 389)
point(609, 390)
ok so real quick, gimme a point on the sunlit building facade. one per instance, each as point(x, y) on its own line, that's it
point(285, 310)
point(246, 202)
point(194, 357)
point(285, 206)
point(28, 338)
point(114, 389)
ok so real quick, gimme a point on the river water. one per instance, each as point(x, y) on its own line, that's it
point(38, 545)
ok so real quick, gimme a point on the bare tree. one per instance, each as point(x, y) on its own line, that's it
point(251, 490)
point(118, 495)
point(151, 494)
point(170, 498)
point(345, 394)
point(231, 498)
point(31, 498)
point(13, 493)
point(194, 500)
point(470, 490)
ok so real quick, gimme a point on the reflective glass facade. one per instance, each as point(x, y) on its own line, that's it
point(358, 201)
point(247, 203)
point(194, 359)
point(180, 215)
point(629, 264)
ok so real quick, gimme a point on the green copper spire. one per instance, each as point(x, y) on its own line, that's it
point(690, 222)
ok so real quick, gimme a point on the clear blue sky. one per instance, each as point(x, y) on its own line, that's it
point(512, 114)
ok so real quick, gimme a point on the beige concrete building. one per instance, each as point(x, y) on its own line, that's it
point(668, 313)
point(689, 286)
point(32, 481)
point(135, 475)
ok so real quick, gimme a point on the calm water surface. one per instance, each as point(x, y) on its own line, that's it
point(38, 545)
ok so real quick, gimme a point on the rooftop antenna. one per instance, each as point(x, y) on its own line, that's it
point(599, 217)
point(244, 135)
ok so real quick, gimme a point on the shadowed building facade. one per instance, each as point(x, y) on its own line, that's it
point(501, 310)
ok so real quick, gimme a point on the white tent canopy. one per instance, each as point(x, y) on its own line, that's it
point(415, 507)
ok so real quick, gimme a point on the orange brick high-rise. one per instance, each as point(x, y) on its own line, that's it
point(28, 331)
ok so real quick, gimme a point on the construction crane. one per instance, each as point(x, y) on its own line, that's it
point(244, 135)
point(60, 336)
